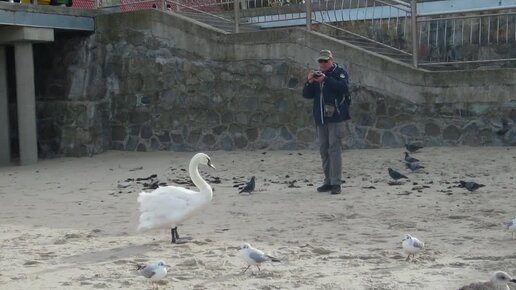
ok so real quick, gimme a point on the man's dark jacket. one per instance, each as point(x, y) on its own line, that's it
point(334, 88)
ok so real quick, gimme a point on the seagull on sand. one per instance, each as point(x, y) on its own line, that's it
point(249, 187)
point(411, 246)
point(172, 205)
point(153, 272)
point(498, 281)
point(253, 256)
point(511, 226)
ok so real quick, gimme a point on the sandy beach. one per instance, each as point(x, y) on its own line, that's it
point(65, 223)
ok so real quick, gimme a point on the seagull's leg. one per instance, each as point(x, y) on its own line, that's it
point(258, 267)
point(246, 269)
point(408, 258)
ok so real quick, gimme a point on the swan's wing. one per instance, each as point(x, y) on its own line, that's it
point(166, 206)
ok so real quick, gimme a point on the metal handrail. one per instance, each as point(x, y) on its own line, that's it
point(473, 10)
point(469, 61)
point(463, 17)
point(399, 2)
point(200, 11)
point(367, 38)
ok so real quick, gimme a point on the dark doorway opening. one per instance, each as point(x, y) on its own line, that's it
point(12, 103)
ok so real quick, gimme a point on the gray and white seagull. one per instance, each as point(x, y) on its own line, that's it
point(154, 272)
point(411, 246)
point(254, 257)
point(498, 281)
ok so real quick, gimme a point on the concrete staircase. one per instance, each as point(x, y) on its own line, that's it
point(221, 24)
point(363, 42)
point(393, 53)
point(372, 46)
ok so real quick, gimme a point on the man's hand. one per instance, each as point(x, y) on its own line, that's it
point(317, 78)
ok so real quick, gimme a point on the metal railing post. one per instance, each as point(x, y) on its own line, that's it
point(237, 15)
point(413, 27)
point(309, 15)
point(178, 6)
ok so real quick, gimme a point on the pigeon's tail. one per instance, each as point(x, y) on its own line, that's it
point(273, 259)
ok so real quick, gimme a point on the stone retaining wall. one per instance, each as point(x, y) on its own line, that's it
point(147, 80)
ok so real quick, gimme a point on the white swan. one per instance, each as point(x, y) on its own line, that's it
point(172, 205)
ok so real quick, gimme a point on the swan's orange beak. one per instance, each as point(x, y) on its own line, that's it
point(210, 165)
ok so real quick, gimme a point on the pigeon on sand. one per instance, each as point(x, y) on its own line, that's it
point(470, 185)
point(395, 174)
point(249, 187)
point(413, 147)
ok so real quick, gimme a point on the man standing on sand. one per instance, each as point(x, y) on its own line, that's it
point(328, 88)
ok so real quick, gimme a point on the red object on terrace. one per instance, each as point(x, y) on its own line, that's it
point(130, 5)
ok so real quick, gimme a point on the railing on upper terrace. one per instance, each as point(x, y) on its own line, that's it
point(474, 36)
point(483, 34)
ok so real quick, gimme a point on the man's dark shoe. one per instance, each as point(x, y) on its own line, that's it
point(335, 189)
point(324, 188)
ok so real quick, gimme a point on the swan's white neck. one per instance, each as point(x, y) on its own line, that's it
point(203, 186)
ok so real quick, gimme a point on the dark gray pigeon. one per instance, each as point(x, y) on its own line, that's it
point(502, 128)
point(413, 166)
point(412, 147)
point(395, 174)
point(470, 185)
point(409, 158)
point(249, 187)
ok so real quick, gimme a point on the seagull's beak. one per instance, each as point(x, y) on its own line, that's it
point(512, 280)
